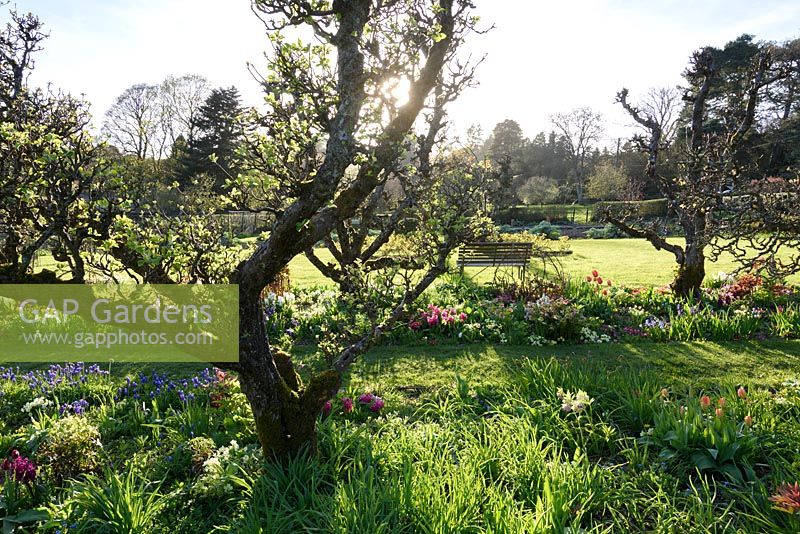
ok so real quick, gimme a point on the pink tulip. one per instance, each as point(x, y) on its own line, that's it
point(748, 420)
point(705, 401)
point(741, 392)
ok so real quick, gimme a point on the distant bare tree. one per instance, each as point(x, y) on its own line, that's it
point(581, 128)
point(664, 105)
point(134, 123)
point(146, 120)
point(181, 99)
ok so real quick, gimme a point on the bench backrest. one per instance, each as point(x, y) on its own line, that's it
point(494, 254)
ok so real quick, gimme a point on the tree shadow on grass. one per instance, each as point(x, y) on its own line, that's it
point(697, 364)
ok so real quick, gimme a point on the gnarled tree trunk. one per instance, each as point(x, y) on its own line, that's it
point(285, 410)
point(691, 272)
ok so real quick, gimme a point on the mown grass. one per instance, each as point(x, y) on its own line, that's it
point(631, 262)
point(626, 261)
point(416, 368)
point(407, 370)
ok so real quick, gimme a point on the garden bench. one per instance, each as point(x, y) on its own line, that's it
point(495, 254)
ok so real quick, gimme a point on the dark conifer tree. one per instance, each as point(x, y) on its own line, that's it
point(219, 132)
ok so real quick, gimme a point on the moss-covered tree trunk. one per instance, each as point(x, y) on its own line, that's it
point(285, 410)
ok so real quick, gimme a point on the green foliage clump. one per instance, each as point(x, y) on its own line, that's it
point(646, 209)
point(116, 503)
point(70, 447)
point(609, 231)
point(704, 435)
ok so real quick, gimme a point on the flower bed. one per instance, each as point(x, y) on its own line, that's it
point(592, 310)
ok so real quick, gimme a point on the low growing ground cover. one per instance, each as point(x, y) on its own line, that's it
point(537, 407)
point(684, 437)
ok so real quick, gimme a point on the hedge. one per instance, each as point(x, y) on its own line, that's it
point(647, 209)
point(523, 215)
point(526, 215)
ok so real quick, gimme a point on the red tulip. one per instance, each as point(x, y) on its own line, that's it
point(705, 401)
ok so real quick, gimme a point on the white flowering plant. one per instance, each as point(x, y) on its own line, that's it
point(573, 402)
point(222, 471)
point(38, 404)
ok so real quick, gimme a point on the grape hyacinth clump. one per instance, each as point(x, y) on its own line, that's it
point(159, 384)
point(44, 381)
point(77, 407)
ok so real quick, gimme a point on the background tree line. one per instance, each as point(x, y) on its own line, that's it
point(180, 131)
point(565, 165)
point(570, 163)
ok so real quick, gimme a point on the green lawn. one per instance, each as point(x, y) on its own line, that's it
point(409, 367)
point(627, 261)
point(632, 261)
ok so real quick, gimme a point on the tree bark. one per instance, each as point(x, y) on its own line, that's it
point(285, 411)
point(691, 272)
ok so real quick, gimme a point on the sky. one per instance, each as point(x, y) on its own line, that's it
point(541, 57)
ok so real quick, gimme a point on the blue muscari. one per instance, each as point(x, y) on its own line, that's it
point(46, 380)
point(156, 384)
